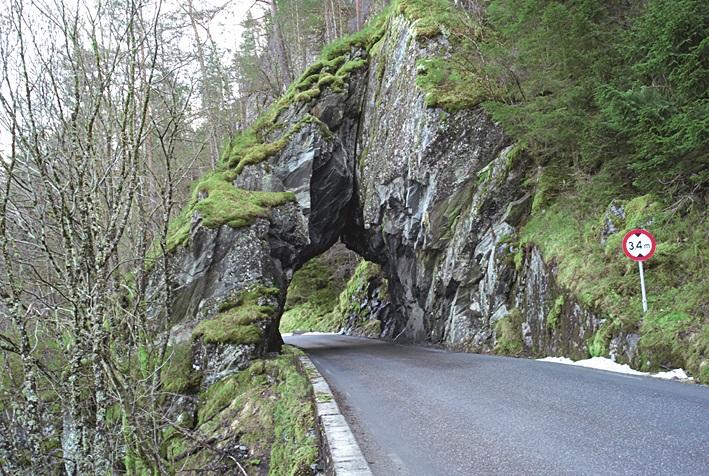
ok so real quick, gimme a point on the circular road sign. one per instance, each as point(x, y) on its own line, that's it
point(639, 245)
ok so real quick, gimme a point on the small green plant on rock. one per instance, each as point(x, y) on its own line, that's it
point(555, 312)
point(508, 334)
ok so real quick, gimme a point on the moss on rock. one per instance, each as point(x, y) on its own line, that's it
point(236, 322)
point(218, 203)
point(352, 295)
point(314, 290)
point(508, 334)
point(555, 312)
point(448, 84)
point(267, 408)
point(177, 375)
point(351, 311)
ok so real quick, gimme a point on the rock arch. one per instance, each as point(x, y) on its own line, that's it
point(434, 197)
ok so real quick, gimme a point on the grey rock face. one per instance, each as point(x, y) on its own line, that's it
point(615, 215)
point(435, 198)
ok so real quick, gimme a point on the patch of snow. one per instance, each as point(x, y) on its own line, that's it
point(557, 360)
point(603, 363)
point(609, 365)
point(676, 374)
point(297, 333)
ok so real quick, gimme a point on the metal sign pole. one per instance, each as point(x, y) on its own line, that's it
point(642, 286)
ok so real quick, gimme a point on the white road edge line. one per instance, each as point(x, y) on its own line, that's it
point(342, 453)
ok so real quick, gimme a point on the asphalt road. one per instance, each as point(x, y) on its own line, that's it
point(423, 411)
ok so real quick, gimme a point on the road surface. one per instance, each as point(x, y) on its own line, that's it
point(426, 412)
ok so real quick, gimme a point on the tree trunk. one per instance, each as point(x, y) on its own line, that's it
point(206, 94)
point(285, 73)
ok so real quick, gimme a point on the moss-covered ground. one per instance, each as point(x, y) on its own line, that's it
point(268, 408)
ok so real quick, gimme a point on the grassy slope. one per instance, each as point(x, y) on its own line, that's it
point(674, 333)
point(589, 107)
point(271, 406)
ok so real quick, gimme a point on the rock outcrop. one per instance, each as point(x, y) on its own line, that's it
point(435, 198)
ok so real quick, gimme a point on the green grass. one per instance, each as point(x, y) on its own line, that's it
point(295, 448)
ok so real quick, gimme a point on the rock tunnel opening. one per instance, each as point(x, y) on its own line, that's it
point(337, 282)
point(314, 295)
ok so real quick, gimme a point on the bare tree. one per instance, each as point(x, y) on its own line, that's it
point(92, 117)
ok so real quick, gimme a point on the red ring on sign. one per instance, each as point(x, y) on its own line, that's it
point(639, 231)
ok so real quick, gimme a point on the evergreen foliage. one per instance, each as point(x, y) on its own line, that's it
point(593, 85)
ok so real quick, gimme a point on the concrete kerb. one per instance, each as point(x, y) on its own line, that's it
point(341, 454)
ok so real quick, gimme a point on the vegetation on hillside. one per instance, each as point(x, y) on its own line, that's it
point(612, 104)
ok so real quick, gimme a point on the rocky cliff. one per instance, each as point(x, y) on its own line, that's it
point(357, 151)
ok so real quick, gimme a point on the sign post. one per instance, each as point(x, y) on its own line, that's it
point(642, 285)
point(639, 245)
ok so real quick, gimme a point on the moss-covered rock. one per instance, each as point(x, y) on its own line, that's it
point(262, 417)
point(364, 302)
point(508, 334)
point(238, 319)
point(178, 375)
point(314, 291)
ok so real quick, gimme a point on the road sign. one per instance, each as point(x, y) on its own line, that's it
point(639, 245)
